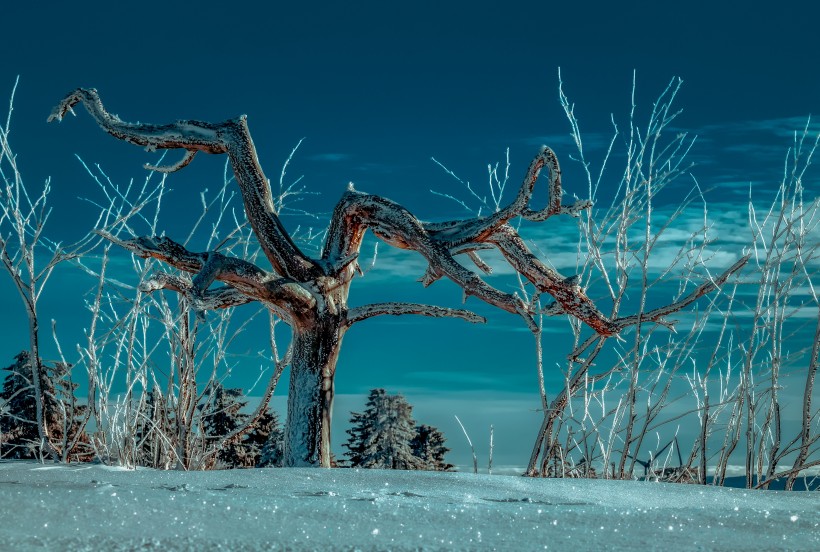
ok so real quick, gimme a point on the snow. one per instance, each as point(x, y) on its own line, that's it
point(93, 507)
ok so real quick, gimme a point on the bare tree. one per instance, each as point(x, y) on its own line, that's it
point(310, 294)
point(29, 258)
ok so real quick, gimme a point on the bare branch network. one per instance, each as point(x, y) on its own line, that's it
point(311, 294)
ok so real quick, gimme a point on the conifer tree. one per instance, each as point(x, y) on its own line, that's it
point(222, 414)
point(150, 435)
point(262, 445)
point(361, 425)
point(381, 436)
point(267, 441)
point(18, 432)
point(428, 446)
point(388, 445)
point(385, 436)
point(19, 437)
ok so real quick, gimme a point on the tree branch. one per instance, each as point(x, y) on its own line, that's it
point(459, 232)
point(358, 314)
point(566, 292)
point(189, 135)
point(292, 300)
point(231, 137)
point(213, 299)
point(356, 212)
point(658, 315)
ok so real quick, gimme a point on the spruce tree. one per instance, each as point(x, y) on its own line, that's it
point(428, 447)
point(18, 431)
point(361, 424)
point(152, 430)
point(19, 437)
point(380, 437)
point(63, 412)
point(267, 441)
point(221, 415)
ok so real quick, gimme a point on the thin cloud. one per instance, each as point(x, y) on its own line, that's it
point(328, 157)
point(784, 127)
point(380, 168)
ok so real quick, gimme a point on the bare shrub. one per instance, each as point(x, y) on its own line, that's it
point(731, 352)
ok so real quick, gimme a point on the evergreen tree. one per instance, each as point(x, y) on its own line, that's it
point(361, 425)
point(18, 429)
point(388, 445)
point(385, 436)
point(428, 446)
point(221, 415)
point(262, 445)
point(152, 429)
point(380, 437)
point(267, 441)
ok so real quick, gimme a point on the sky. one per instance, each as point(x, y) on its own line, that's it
point(377, 89)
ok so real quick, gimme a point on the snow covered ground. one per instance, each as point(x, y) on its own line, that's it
point(92, 507)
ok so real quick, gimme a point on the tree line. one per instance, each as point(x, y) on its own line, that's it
point(383, 436)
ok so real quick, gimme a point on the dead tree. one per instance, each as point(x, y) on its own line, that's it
point(310, 294)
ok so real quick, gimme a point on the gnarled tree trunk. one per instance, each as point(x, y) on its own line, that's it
point(316, 348)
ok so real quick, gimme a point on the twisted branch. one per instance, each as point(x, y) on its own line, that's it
point(230, 137)
point(290, 300)
point(392, 223)
point(213, 299)
point(358, 314)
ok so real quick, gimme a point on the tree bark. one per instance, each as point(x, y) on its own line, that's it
point(310, 397)
point(36, 375)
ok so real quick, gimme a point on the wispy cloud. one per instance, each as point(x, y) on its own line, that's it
point(727, 157)
point(328, 157)
point(783, 127)
point(380, 168)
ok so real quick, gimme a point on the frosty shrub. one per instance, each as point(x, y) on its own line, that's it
point(622, 402)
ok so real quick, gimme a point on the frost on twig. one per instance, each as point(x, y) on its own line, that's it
point(358, 314)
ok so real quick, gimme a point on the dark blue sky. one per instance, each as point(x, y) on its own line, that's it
point(377, 88)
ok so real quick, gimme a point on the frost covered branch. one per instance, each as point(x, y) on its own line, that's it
point(358, 314)
point(242, 276)
point(230, 137)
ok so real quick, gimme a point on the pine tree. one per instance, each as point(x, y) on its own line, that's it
point(18, 430)
point(63, 412)
point(361, 425)
point(151, 435)
point(428, 446)
point(268, 440)
point(221, 415)
point(262, 445)
point(388, 445)
point(380, 437)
